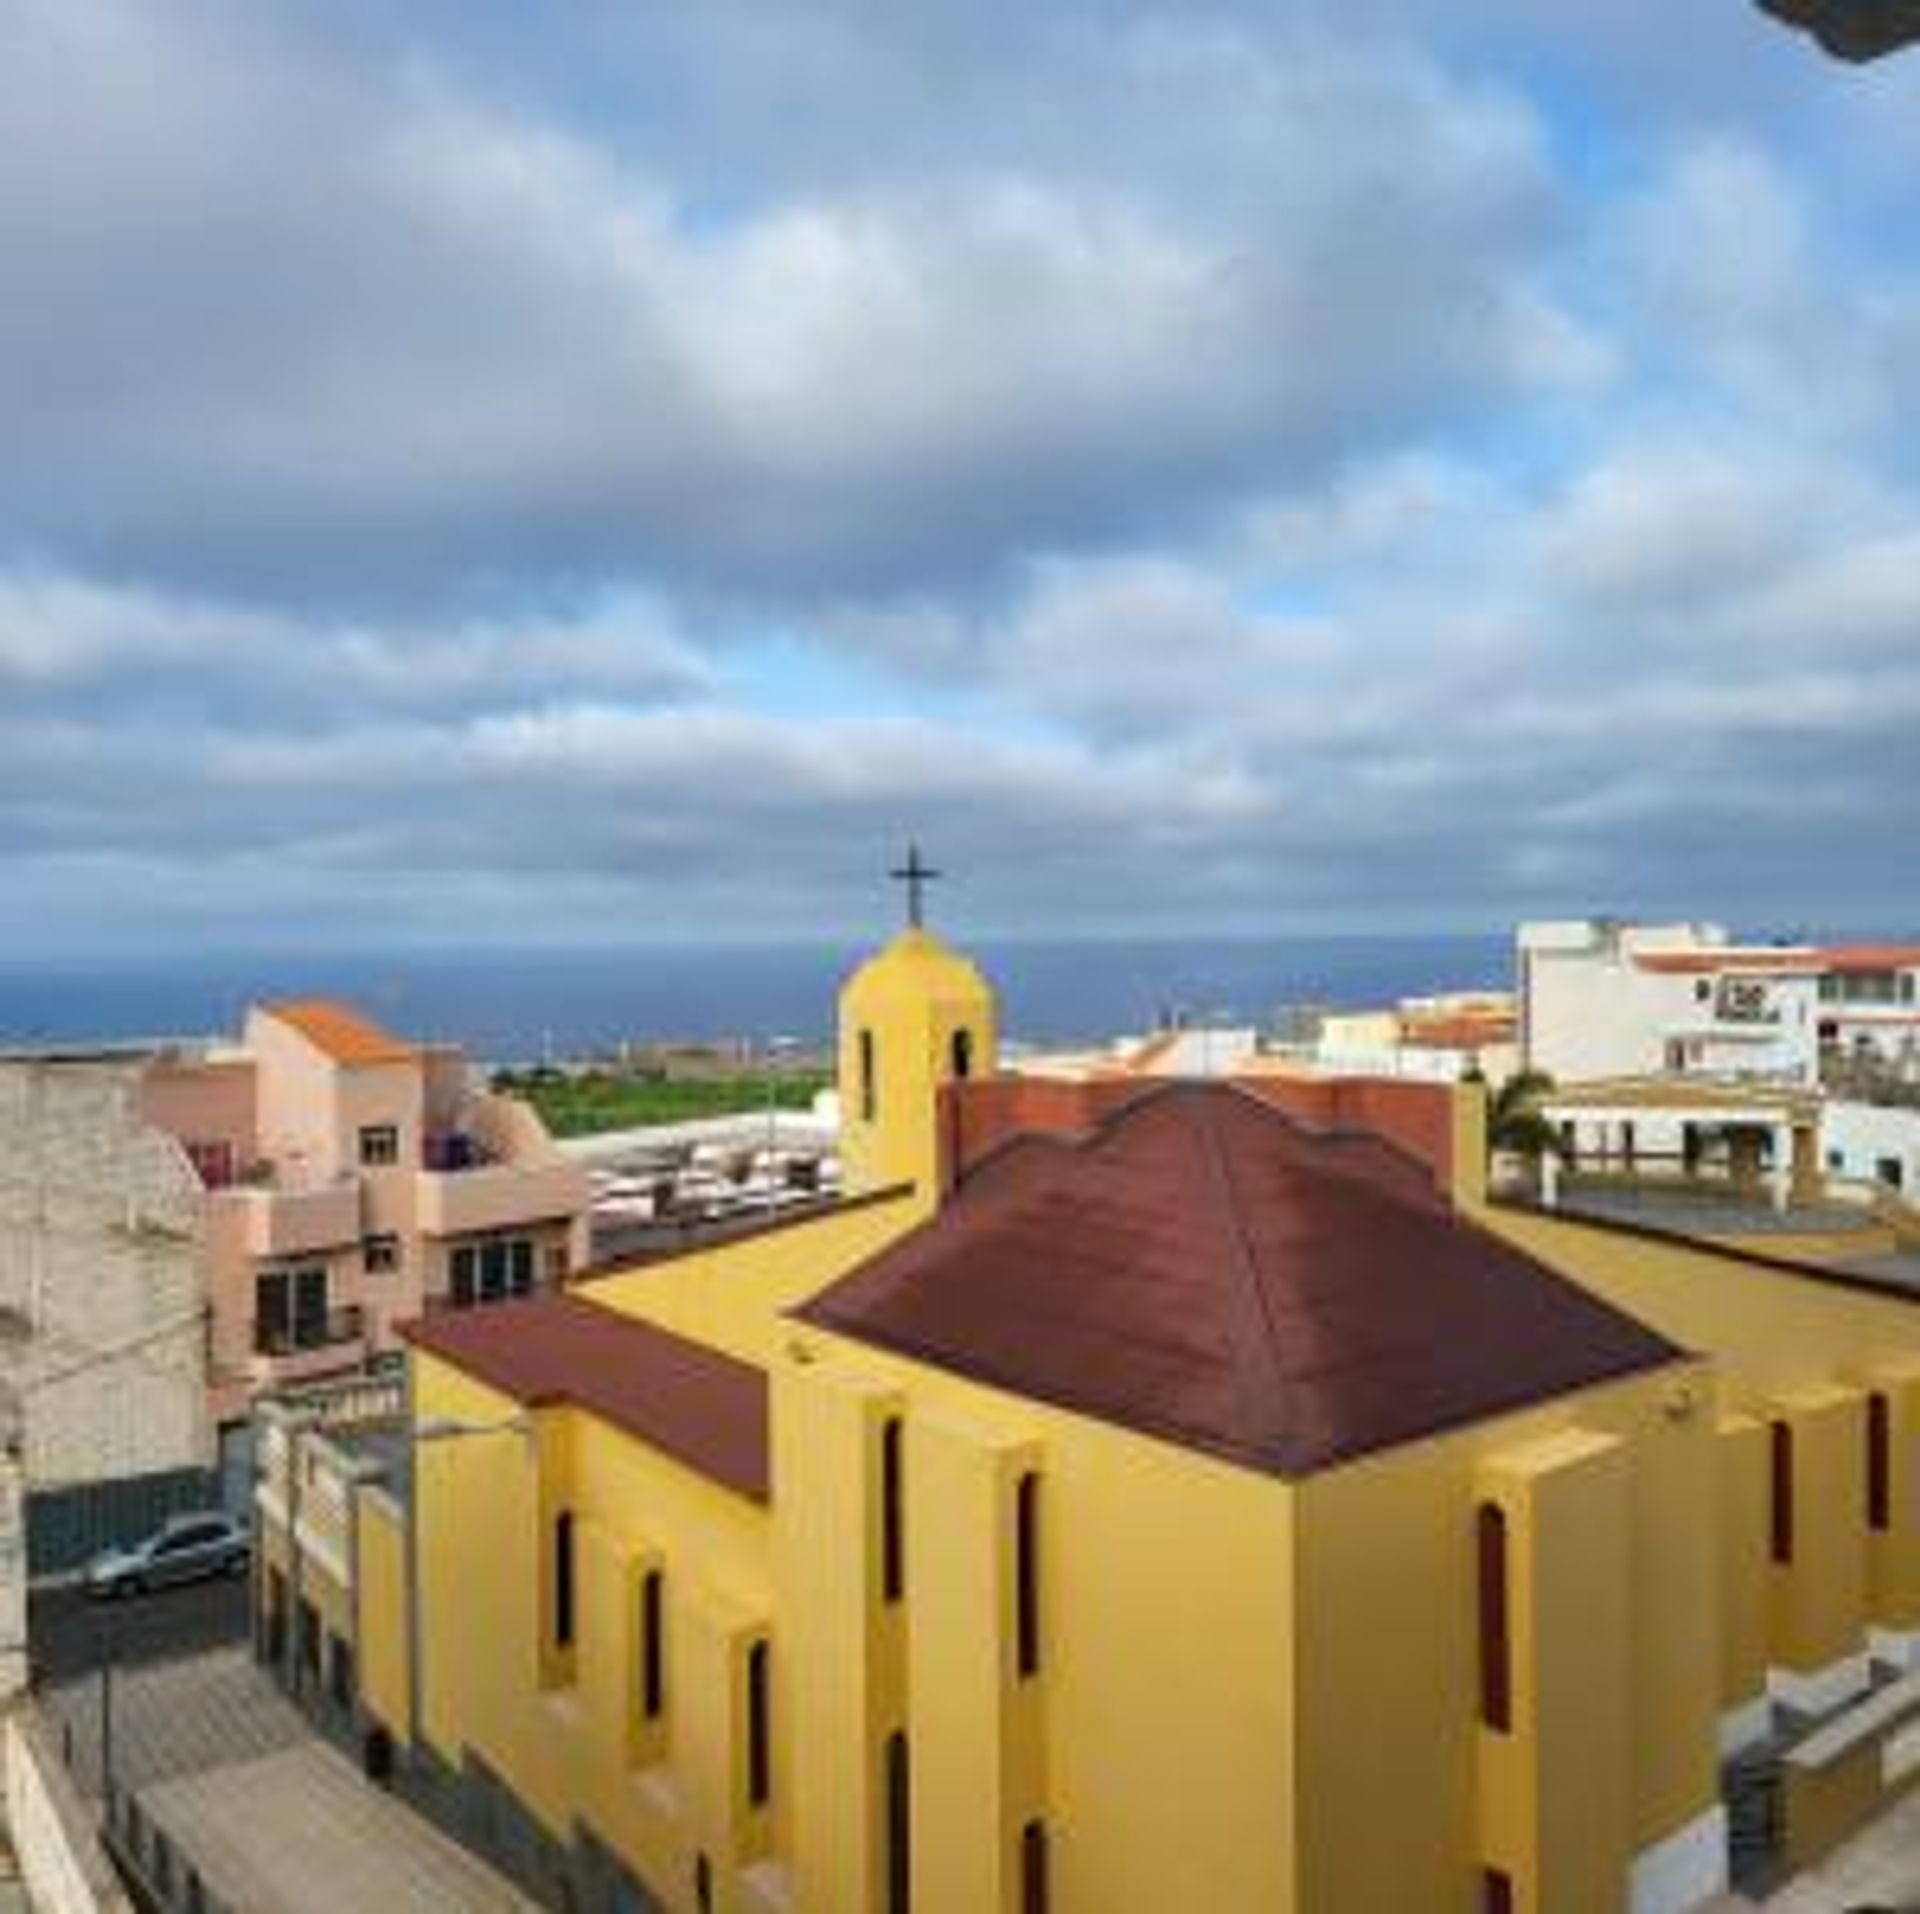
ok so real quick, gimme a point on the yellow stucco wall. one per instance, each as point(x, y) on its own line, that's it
point(561, 1727)
point(1386, 1648)
point(1156, 1741)
point(380, 1606)
point(903, 1010)
point(733, 1297)
point(1742, 1471)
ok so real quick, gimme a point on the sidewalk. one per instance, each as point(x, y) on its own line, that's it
point(271, 1817)
point(299, 1832)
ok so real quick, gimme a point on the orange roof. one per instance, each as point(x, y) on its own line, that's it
point(1458, 1033)
point(340, 1033)
point(1704, 963)
point(1856, 957)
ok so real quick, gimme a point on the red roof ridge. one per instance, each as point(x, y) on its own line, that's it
point(1208, 1269)
point(694, 1403)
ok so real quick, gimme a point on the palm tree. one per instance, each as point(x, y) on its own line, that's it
point(1516, 1125)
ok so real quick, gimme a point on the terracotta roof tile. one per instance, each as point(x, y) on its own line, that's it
point(340, 1033)
point(1707, 963)
point(1849, 958)
point(704, 1409)
point(1203, 1268)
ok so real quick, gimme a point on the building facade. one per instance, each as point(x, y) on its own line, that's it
point(1143, 1497)
point(102, 1311)
point(349, 1182)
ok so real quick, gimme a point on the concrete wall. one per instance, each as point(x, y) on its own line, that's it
point(61, 1862)
point(100, 1277)
point(1860, 1139)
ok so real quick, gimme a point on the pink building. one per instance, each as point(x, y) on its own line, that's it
point(353, 1181)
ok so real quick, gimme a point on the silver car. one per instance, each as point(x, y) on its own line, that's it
point(186, 1548)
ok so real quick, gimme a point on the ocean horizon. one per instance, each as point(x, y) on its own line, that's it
point(515, 1005)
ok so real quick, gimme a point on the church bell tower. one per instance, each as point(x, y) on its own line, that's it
point(914, 1017)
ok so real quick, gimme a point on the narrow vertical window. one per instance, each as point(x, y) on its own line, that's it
point(1496, 1674)
point(1033, 1868)
point(893, 1560)
point(1780, 1512)
point(563, 1579)
point(962, 1053)
point(1496, 1891)
point(1879, 1463)
point(759, 1747)
point(899, 1826)
point(653, 1645)
point(869, 1088)
point(1026, 1574)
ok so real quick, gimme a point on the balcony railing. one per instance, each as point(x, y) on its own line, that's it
point(294, 1222)
point(328, 1331)
point(498, 1196)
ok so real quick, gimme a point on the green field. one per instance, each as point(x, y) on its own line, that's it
point(609, 1100)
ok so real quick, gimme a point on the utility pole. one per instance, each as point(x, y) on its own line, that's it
point(108, 1648)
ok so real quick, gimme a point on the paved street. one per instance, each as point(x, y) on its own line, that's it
point(69, 1633)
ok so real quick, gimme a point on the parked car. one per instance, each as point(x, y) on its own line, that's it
point(186, 1548)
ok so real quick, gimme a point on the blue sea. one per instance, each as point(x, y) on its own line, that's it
point(512, 1006)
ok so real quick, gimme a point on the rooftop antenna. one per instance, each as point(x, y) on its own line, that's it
point(916, 876)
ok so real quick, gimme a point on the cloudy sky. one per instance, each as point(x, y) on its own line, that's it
point(481, 473)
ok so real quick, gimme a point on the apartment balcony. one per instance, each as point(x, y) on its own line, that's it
point(320, 1345)
point(288, 1222)
point(329, 1329)
point(495, 1196)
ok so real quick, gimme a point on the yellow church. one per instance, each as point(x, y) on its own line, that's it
point(1178, 1499)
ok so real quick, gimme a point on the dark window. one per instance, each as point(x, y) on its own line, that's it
point(899, 1826)
point(520, 1267)
point(1033, 1868)
point(493, 1272)
point(653, 1645)
point(1892, 1172)
point(466, 1276)
point(962, 1054)
point(272, 1309)
point(1496, 1673)
point(379, 1145)
point(563, 1579)
point(309, 1307)
point(309, 1639)
point(869, 1085)
point(1026, 1574)
point(1879, 1463)
point(276, 1633)
point(703, 1883)
point(381, 1254)
point(1780, 1514)
point(759, 1746)
point(289, 1310)
point(339, 1672)
point(893, 1561)
point(1496, 1891)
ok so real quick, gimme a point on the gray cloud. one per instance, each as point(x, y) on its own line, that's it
point(1196, 467)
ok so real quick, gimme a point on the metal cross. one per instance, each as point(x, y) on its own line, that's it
point(916, 876)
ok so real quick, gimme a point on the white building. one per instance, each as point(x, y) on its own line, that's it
point(1601, 999)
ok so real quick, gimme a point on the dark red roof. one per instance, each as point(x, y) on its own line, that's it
point(1204, 1268)
point(704, 1409)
